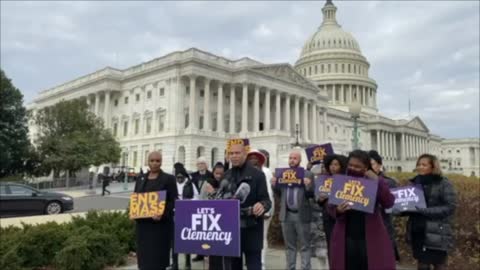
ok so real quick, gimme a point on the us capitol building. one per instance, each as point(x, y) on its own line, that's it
point(187, 103)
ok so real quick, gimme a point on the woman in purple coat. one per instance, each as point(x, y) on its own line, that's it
point(360, 240)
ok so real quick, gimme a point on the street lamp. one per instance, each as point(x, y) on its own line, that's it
point(355, 110)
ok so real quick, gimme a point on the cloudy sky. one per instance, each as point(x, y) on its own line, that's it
point(428, 51)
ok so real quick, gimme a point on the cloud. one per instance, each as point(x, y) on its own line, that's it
point(424, 51)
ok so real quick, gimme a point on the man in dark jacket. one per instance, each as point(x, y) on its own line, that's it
point(253, 208)
point(377, 167)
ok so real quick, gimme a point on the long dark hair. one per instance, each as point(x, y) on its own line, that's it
point(362, 156)
point(342, 160)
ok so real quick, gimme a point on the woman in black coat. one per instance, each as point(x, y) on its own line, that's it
point(154, 234)
point(429, 230)
point(333, 164)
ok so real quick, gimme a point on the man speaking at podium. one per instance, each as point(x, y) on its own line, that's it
point(252, 208)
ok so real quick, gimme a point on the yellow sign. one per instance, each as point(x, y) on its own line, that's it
point(147, 204)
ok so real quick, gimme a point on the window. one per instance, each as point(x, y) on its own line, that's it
point(126, 100)
point(309, 70)
point(202, 93)
point(161, 122)
point(149, 94)
point(115, 127)
point(19, 190)
point(323, 69)
point(125, 128)
point(137, 97)
point(187, 90)
point(162, 92)
point(349, 70)
point(116, 102)
point(336, 68)
point(343, 68)
point(329, 68)
point(134, 158)
point(316, 69)
point(137, 126)
point(148, 125)
point(458, 151)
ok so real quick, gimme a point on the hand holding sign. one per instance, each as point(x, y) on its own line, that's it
point(317, 153)
point(290, 176)
point(360, 193)
point(147, 205)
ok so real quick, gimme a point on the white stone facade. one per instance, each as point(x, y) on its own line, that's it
point(151, 106)
point(461, 156)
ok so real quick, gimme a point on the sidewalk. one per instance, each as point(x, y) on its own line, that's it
point(113, 188)
point(275, 260)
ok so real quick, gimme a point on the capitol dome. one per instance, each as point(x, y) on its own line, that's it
point(333, 60)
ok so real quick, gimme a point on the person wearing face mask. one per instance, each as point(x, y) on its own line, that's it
point(333, 164)
point(296, 215)
point(186, 191)
point(360, 240)
point(429, 230)
point(153, 235)
point(377, 167)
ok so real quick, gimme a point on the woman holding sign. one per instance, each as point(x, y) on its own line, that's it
point(334, 164)
point(154, 234)
point(360, 240)
point(429, 230)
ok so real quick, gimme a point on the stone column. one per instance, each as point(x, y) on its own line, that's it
point(378, 141)
point(192, 110)
point(334, 94)
point(245, 108)
point(232, 109)
point(342, 94)
point(266, 120)
point(97, 104)
point(220, 120)
point(305, 120)
point(402, 146)
point(256, 109)
point(395, 154)
point(278, 110)
point(297, 111)
point(206, 106)
point(106, 110)
point(287, 114)
point(314, 122)
point(349, 94)
point(324, 125)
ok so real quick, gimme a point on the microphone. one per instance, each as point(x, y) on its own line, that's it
point(222, 188)
point(242, 192)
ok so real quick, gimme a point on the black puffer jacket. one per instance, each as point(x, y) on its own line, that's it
point(437, 217)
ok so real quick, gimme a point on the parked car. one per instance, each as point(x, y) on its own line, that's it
point(18, 199)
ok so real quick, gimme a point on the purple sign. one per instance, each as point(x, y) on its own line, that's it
point(323, 184)
point(207, 227)
point(408, 198)
point(290, 176)
point(360, 193)
point(317, 153)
